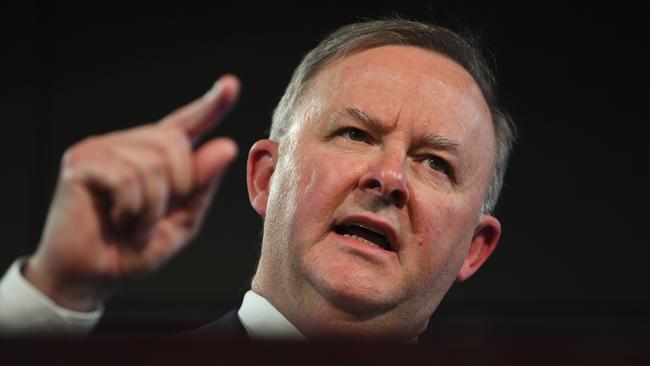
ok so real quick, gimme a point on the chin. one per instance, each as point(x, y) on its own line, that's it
point(355, 292)
point(348, 315)
point(359, 305)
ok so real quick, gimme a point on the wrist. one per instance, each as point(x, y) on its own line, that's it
point(68, 294)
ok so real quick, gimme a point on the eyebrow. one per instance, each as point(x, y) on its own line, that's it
point(442, 143)
point(432, 140)
point(365, 117)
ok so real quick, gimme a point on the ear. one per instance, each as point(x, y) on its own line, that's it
point(484, 242)
point(259, 169)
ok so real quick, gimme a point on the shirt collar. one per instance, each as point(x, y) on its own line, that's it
point(263, 321)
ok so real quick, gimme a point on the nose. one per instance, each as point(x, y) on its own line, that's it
point(386, 178)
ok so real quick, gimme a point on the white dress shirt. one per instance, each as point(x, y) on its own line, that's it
point(25, 310)
point(263, 321)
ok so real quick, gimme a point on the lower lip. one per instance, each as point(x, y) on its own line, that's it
point(363, 248)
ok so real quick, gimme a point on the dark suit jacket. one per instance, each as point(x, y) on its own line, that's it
point(228, 325)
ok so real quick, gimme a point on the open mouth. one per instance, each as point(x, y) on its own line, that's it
point(364, 234)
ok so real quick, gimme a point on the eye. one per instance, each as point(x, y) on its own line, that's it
point(354, 134)
point(438, 164)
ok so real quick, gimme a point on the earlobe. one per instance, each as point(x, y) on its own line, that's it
point(259, 170)
point(484, 241)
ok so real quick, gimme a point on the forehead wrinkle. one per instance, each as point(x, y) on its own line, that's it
point(432, 140)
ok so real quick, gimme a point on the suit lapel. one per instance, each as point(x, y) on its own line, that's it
point(228, 325)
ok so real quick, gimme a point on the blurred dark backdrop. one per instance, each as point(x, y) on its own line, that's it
point(574, 252)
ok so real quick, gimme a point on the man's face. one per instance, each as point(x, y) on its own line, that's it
point(376, 196)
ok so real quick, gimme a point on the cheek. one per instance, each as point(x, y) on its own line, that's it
point(442, 233)
point(323, 181)
point(434, 216)
point(317, 187)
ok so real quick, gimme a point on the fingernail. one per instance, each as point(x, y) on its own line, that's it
point(216, 88)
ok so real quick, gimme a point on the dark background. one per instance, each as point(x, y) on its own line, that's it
point(574, 251)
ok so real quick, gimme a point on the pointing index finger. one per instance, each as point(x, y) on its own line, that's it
point(201, 115)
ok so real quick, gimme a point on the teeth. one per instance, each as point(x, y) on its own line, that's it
point(356, 237)
point(368, 228)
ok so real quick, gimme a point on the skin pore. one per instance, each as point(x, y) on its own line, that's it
point(402, 143)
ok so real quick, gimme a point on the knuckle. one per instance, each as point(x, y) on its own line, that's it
point(73, 154)
point(69, 175)
point(70, 157)
point(175, 139)
point(157, 164)
point(126, 177)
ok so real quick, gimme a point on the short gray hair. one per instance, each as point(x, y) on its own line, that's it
point(357, 37)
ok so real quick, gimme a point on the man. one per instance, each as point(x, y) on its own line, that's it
point(384, 162)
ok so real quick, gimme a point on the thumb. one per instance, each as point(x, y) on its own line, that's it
point(211, 160)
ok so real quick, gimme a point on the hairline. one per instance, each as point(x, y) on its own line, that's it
point(286, 114)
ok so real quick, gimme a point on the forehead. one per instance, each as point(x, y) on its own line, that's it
point(424, 90)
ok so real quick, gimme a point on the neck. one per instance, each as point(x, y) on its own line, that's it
point(318, 318)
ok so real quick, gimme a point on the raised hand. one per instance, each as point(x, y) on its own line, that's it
point(127, 201)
